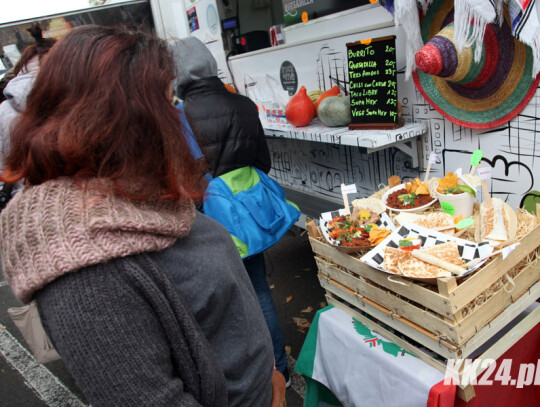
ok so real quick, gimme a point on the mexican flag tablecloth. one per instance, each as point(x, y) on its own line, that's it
point(345, 363)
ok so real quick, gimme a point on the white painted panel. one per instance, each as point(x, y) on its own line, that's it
point(512, 150)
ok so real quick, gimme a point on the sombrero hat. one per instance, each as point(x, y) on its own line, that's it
point(477, 95)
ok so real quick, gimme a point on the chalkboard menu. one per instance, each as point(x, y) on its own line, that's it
point(373, 83)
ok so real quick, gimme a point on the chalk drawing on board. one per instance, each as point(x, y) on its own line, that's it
point(332, 69)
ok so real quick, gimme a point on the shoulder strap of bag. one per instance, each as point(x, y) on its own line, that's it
point(187, 131)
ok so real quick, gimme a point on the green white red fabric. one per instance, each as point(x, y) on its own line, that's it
point(347, 364)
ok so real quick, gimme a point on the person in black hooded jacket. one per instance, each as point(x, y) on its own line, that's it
point(228, 123)
point(228, 128)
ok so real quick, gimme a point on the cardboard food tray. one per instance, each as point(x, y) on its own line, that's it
point(326, 217)
point(467, 249)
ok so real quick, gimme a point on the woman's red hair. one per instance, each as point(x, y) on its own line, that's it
point(100, 108)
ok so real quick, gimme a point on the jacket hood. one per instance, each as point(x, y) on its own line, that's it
point(18, 88)
point(193, 61)
point(57, 227)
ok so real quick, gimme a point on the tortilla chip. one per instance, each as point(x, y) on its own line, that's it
point(450, 180)
point(422, 190)
point(376, 236)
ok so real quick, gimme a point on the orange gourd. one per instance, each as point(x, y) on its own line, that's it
point(334, 91)
point(230, 88)
point(300, 110)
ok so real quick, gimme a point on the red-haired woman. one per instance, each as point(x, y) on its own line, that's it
point(146, 301)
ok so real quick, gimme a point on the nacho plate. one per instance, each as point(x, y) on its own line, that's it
point(326, 217)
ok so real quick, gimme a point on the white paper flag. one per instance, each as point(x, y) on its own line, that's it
point(484, 173)
point(348, 189)
point(507, 250)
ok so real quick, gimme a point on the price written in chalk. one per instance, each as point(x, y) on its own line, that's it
point(484, 173)
point(373, 81)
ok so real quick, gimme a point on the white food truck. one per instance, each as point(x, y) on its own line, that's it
point(310, 40)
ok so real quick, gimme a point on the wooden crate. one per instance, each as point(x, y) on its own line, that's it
point(495, 351)
point(442, 318)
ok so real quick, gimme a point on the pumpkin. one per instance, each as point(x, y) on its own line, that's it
point(230, 88)
point(300, 110)
point(335, 111)
point(334, 91)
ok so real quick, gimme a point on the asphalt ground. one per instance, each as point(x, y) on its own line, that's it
point(296, 291)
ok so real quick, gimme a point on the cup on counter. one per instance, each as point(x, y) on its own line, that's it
point(463, 203)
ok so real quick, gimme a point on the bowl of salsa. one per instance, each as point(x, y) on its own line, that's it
point(398, 200)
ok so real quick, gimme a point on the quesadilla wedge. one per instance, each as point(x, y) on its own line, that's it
point(435, 261)
point(392, 258)
point(413, 267)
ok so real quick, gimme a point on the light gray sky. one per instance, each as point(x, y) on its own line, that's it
point(14, 10)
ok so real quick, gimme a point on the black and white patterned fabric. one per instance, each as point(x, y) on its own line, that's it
point(467, 249)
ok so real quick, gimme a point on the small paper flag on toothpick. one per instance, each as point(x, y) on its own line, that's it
point(347, 189)
point(465, 223)
point(432, 160)
point(483, 174)
point(505, 251)
point(476, 157)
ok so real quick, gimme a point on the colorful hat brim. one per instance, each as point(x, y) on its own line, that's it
point(501, 90)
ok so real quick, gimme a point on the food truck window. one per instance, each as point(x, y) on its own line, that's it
point(246, 23)
point(14, 36)
point(301, 11)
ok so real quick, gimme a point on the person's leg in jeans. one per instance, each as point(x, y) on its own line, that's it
point(256, 268)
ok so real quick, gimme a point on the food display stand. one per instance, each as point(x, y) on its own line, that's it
point(451, 320)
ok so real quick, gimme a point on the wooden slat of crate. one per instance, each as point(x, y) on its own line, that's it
point(494, 270)
point(454, 332)
point(415, 292)
point(495, 351)
point(387, 334)
point(431, 322)
point(413, 331)
point(426, 338)
point(484, 313)
point(457, 298)
point(509, 313)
